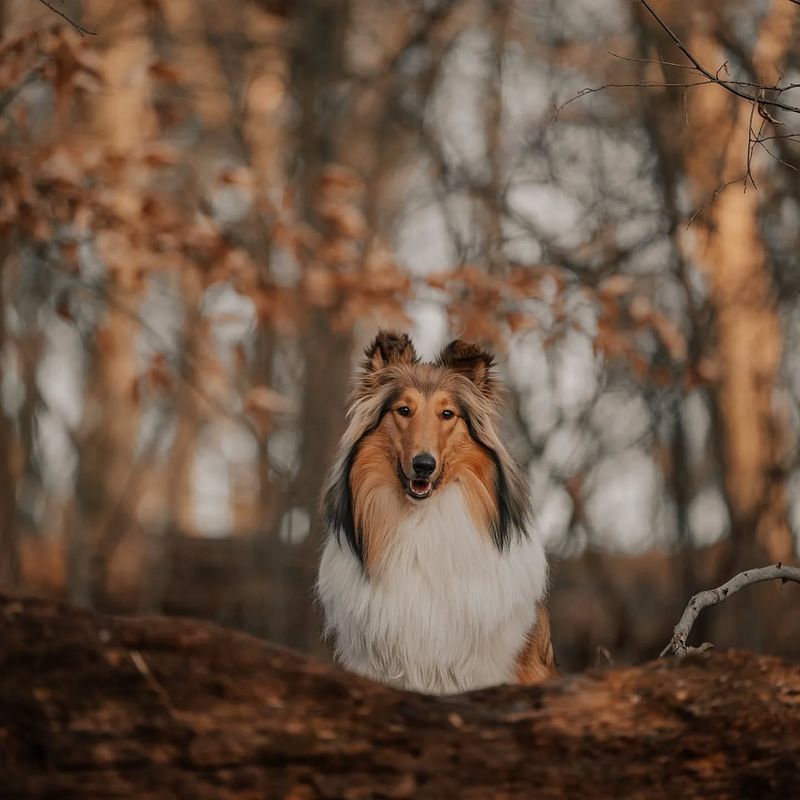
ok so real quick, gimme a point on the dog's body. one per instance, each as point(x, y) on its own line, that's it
point(432, 582)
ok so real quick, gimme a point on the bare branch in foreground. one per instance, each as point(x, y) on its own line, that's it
point(731, 86)
point(632, 85)
point(763, 96)
point(677, 644)
point(81, 30)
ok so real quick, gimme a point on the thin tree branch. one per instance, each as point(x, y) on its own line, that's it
point(83, 31)
point(731, 86)
point(632, 85)
point(757, 96)
point(750, 148)
point(660, 62)
point(677, 644)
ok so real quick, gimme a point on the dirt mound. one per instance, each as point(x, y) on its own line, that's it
point(95, 707)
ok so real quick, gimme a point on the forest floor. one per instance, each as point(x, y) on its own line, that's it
point(99, 707)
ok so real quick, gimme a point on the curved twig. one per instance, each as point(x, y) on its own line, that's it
point(677, 644)
point(731, 86)
point(81, 30)
point(757, 96)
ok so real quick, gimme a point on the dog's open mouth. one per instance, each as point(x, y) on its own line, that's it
point(420, 488)
point(417, 487)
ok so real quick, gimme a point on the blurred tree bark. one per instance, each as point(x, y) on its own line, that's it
point(171, 480)
point(316, 75)
point(430, 112)
point(122, 117)
point(9, 539)
point(727, 242)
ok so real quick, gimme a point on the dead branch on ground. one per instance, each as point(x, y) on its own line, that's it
point(677, 644)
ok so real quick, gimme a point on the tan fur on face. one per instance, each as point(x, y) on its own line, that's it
point(379, 493)
point(425, 430)
point(467, 448)
point(378, 503)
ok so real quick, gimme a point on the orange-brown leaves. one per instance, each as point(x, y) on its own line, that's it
point(627, 321)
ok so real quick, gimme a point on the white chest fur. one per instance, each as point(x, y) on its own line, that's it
point(447, 612)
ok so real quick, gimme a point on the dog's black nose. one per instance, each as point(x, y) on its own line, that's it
point(424, 464)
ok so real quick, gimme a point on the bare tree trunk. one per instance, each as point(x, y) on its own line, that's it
point(497, 19)
point(9, 542)
point(121, 115)
point(316, 71)
point(727, 243)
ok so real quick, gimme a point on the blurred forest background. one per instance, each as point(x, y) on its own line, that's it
point(206, 209)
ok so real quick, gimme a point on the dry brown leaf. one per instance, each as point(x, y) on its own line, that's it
point(262, 399)
point(616, 286)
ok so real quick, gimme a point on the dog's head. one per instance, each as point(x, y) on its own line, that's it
point(416, 427)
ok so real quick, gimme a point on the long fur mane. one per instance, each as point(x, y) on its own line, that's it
point(467, 372)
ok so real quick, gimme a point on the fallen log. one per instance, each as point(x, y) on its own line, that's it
point(98, 707)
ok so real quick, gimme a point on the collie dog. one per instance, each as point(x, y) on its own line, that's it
point(431, 577)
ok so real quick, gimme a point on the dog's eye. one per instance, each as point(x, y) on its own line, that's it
point(448, 414)
point(404, 411)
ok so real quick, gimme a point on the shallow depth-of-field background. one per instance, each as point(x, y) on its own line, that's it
point(206, 210)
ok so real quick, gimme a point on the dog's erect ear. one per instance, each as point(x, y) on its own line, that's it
point(389, 348)
point(472, 361)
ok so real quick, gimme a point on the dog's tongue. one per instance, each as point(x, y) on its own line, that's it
point(420, 485)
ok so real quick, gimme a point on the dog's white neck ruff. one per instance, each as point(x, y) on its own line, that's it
point(446, 612)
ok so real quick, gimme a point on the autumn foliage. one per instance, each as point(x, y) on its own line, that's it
point(205, 209)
